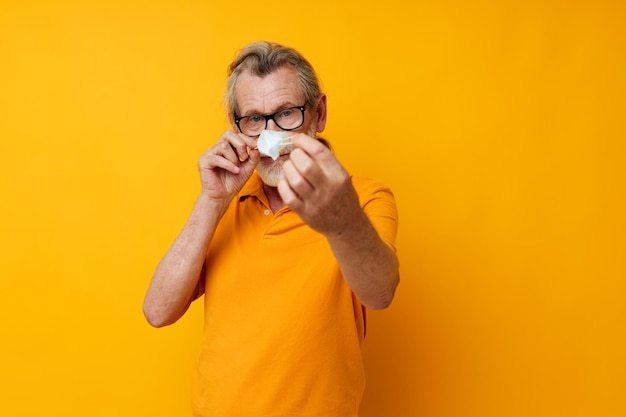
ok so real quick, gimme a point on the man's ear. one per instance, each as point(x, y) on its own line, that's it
point(321, 114)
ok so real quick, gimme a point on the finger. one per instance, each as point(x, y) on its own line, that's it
point(297, 181)
point(211, 161)
point(240, 143)
point(227, 148)
point(310, 146)
point(289, 196)
point(254, 157)
point(322, 157)
point(250, 142)
point(302, 172)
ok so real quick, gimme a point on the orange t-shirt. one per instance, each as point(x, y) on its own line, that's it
point(283, 331)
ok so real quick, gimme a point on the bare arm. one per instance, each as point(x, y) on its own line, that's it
point(369, 265)
point(175, 283)
point(177, 280)
point(319, 189)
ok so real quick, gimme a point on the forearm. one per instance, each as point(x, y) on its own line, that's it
point(177, 276)
point(369, 265)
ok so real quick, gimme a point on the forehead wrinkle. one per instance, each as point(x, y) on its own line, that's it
point(269, 93)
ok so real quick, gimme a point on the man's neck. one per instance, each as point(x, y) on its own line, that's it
point(274, 198)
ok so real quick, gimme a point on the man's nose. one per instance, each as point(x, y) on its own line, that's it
point(271, 125)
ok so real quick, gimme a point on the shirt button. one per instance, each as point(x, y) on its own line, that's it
point(266, 212)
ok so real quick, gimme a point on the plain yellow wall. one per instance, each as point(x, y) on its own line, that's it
point(499, 125)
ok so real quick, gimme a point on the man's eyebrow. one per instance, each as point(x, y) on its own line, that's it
point(285, 105)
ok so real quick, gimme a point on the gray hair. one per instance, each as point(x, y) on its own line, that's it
point(263, 58)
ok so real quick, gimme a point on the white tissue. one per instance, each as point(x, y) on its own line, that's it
point(270, 143)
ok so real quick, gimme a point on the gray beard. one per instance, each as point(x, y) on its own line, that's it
point(269, 171)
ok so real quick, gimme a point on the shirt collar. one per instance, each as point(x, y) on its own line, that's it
point(254, 187)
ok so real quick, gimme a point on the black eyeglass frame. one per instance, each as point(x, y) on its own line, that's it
point(272, 116)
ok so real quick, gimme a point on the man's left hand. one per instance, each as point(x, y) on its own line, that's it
point(317, 187)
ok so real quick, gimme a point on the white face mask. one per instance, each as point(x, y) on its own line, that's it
point(273, 143)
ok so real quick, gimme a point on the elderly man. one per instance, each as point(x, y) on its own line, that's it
point(288, 253)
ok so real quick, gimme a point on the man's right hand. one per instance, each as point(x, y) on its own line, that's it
point(227, 165)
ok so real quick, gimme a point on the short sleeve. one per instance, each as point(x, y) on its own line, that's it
point(379, 204)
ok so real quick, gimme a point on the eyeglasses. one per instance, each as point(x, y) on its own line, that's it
point(289, 118)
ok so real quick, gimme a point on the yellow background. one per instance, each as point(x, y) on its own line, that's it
point(500, 125)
